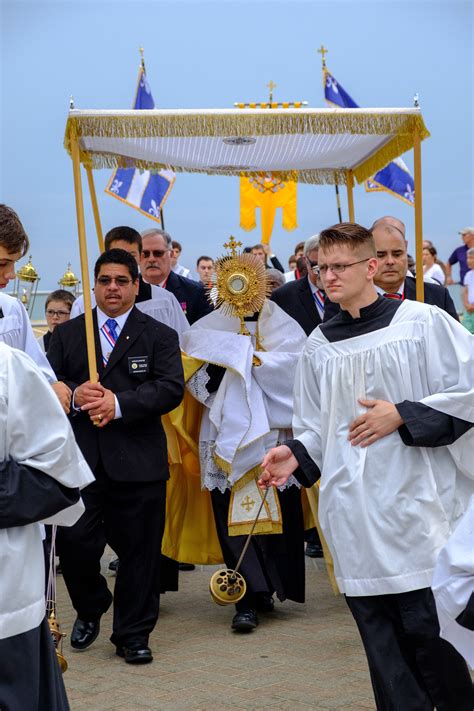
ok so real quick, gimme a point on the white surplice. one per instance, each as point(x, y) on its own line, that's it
point(386, 510)
point(16, 332)
point(453, 585)
point(33, 431)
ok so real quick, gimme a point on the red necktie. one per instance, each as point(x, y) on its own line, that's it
point(396, 296)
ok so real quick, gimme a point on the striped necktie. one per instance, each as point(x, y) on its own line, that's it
point(397, 296)
point(319, 297)
point(111, 335)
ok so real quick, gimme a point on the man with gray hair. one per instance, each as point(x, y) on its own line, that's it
point(304, 299)
point(155, 266)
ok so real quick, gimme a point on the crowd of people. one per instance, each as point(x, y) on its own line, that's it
point(339, 411)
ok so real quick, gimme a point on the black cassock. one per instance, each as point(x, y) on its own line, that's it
point(273, 563)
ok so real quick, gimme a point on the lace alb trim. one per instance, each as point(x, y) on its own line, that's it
point(197, 384)
point(215, 478)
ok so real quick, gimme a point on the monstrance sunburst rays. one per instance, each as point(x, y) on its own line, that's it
point(240, 282)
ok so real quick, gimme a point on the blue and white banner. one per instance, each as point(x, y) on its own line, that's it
point(395, 178)
point(145, 191)
point(335, 94)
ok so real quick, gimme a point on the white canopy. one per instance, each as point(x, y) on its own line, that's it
point(315, 145)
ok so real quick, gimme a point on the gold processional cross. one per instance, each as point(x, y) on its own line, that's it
point(323, 51)
point(271, 85)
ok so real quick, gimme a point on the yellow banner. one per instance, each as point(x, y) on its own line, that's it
point(267, 192)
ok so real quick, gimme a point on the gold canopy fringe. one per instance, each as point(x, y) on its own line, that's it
point(147, 124)
point(152, 124)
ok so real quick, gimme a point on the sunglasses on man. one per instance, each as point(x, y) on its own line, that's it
point(107, 280)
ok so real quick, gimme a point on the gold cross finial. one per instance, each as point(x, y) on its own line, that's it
point(271, 85)
point(142, 57)
point(232, 245)
point(323, 51)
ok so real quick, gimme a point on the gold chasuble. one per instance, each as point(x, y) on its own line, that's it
point(190, 534)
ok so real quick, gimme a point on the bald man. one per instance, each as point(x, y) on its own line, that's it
point(391, 277)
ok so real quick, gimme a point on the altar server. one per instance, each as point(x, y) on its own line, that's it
point(15, 327)
point(383, 411)
point(41, 470)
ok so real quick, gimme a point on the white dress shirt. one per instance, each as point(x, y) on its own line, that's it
point(315, 291)
point(106, 348)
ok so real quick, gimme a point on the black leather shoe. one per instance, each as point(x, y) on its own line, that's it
point(245, 621)
point(84, 633)
point(135, 655)
point(314, 550)
point(114, 565)
point(265, 602)
point(186, 566)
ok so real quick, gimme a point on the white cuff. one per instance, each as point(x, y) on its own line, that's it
point(73, 404)
point(118, 411)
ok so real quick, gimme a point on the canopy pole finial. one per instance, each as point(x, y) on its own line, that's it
point(271, 85)
point(142, 57)
point(71, 103)
point(416, 101)
point(323, 51)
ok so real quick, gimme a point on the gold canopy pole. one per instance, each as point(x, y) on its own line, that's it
point(420, 286)
point(81, 230)
point(350, 194)
point(323, 51)
point(95, 209)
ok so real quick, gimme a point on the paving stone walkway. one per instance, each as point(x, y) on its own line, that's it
point(300, 657)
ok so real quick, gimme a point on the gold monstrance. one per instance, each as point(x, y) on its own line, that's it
point(240, 282)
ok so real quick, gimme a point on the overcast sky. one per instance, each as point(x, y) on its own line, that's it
point(208, 55)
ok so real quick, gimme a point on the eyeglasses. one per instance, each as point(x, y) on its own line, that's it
point(59, 314)
point(157, 253)
point(107, 280)
point(336, 268)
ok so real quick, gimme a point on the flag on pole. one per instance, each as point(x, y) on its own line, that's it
point(335, 94)
point(395, 178)
point(145, 191)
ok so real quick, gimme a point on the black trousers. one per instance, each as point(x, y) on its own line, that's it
point(411, 667)
point(30, 677)
point(272, 563)
point(130, 518)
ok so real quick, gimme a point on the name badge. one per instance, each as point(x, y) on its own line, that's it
point(138, 364)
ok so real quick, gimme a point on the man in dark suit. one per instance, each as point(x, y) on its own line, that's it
point(117, 423)
point(391, 277)
point(155, 265)
point(303, 299)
